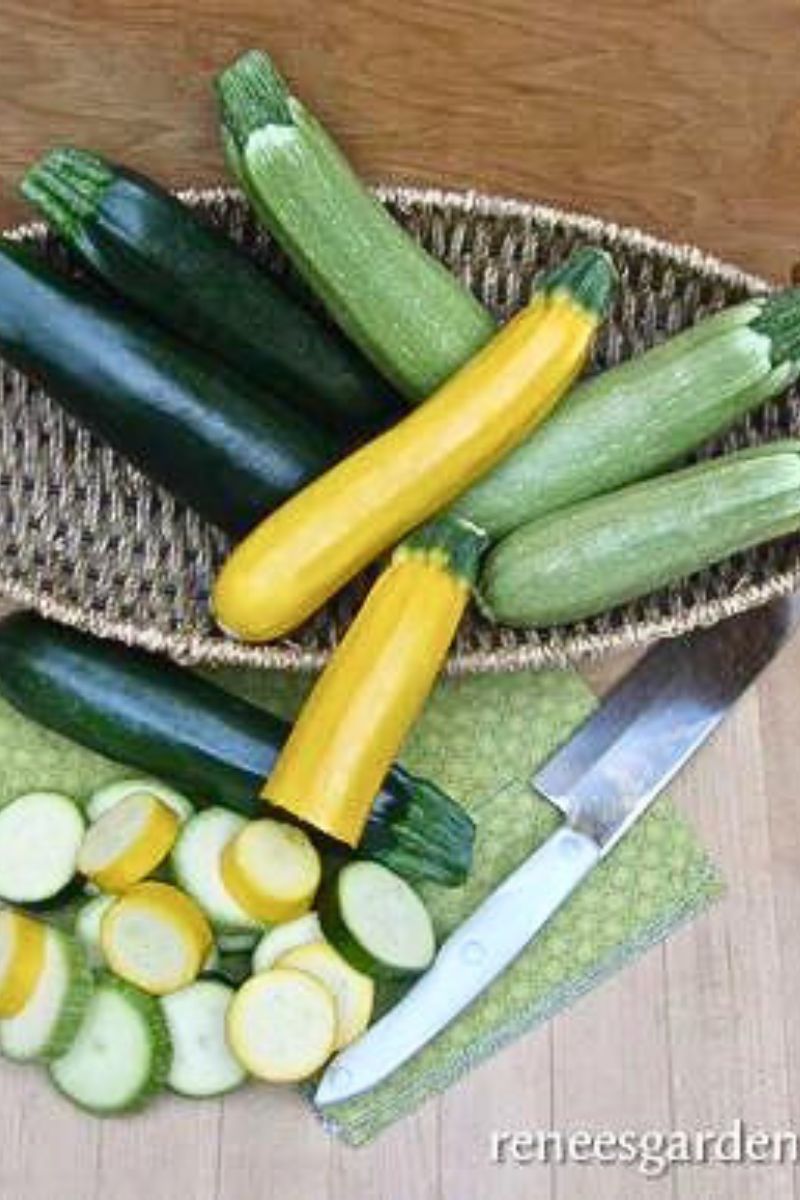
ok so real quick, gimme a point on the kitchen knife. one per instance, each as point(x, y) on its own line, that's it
point(603, 780)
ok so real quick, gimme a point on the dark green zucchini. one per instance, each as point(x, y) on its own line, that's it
point(152, 250)
point(161, 719)
point(226, 448)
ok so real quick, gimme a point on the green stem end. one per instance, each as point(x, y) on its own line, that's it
point(67, 186)
point(252, 95)
point(779, 320)
point(456, 543)
point(588, 276)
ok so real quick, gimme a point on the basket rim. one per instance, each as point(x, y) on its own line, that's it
point(193, 648)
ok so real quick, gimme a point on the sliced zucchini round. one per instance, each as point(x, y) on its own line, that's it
point(353, 991)
point(121, 1055)
point(282, 1025)
point(46, 1026)
point(272, 869)
point(377, 921)
point(156, 938)
point(197, 865)
point(40, 835)
point(202, 1061)
point(282, 938)
point(128, 842)
point(87, 928)
point(22, 947)
point(106, 797)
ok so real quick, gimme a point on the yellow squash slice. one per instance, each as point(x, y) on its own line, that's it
point(22, 944)
point(282, 1025)
point(352, 991)
point(272, 869)
point(155, 937)
point(128, 842)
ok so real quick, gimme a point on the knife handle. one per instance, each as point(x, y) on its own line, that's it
point(509, 918)
point(467, 962)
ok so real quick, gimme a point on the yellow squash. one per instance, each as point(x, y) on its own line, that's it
point(156, 937)
point(128, 842)
point(22, 957)
point(272, 870)
point(311, 546)
point(364, 704)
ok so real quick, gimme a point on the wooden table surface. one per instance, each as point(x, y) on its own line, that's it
point(678, 116)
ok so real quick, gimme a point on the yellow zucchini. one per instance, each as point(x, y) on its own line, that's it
point(353, 992)
point(363, 705)
point(272, 870)
point(128, 842)
point(281, 1025)
point(294, 560)
point(22, 945)
point(156, 938)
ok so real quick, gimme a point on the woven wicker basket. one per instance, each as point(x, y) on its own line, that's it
point(87, 540)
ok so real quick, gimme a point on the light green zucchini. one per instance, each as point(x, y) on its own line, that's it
point(635, 420)
point(404, 310)
point(202, 1062)
point(598, 553)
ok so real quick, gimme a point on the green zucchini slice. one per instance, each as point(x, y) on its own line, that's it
point(122, 1053)
point(377, 921)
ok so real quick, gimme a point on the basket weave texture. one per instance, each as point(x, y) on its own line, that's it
point(87, 540)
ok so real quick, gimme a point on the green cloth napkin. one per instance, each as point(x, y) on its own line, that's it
point(480, 738)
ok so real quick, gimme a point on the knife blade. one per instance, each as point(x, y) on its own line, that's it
point(603, 780)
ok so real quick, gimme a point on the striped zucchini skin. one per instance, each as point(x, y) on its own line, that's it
point(633, 421)
point(606, 551)
point(155, 252)
point(407, 313)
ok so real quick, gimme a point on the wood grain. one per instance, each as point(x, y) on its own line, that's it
point(678, 115)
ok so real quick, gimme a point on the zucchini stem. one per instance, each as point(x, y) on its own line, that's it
point(588, 276)
point(779, 320)
point(68, 187)
point(252, 95)
point(456, 543)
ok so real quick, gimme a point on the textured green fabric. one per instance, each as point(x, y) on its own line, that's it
point(480, 738)
point(33, 759)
